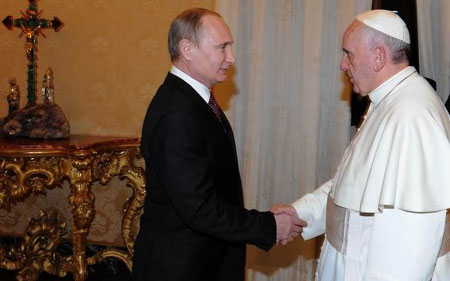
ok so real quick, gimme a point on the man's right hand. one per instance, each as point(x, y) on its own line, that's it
point(289, 225)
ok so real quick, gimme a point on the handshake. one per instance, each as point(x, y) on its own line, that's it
point(289, 225)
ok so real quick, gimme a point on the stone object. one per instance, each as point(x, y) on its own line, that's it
point(45, 121)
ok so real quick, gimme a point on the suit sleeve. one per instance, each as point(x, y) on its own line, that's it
point(312, 209)
point(183, 163)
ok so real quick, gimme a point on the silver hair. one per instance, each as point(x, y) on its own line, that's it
point(187, 25)
point(400, 49)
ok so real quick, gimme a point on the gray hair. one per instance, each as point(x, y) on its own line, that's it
point(187, 25)
point(400, 50)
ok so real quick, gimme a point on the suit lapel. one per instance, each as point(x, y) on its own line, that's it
point(203, 106)
point(229, 131)
point(224, 127)
point(195, 97)
point(199, 101)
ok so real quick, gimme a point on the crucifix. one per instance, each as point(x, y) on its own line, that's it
point(32, 25)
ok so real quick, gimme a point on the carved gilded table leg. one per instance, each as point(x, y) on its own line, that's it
point(122, 163)
point(30, 167)
point(82, 201)
point(134, 204)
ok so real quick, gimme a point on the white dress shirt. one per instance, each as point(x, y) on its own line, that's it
point(200, 88)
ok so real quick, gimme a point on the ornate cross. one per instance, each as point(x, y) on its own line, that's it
point(32, 25)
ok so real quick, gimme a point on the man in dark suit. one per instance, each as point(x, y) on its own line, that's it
point(194, 225)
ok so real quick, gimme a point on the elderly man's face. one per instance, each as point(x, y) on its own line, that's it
point(357, 60)
point(214, 56)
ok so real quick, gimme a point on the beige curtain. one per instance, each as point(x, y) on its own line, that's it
point(288, 104)
point(433, 23)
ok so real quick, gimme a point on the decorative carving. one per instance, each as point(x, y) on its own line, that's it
point(134, 204)
point(122, 163)
point(21, 176)
point(82, 201)
point(35, 172)
point(37, 252)
point(42, 237)
point(12, 258)
point(111, 253)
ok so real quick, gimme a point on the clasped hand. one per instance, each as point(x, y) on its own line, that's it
point(289, 225)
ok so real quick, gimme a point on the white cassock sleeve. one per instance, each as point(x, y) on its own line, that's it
point(312, 209)
point(404, 245)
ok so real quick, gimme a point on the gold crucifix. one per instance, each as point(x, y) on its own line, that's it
point(32, 25)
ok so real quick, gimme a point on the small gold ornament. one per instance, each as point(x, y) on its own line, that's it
point(48, 89)
point(13, 96)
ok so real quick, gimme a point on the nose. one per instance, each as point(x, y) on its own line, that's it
point(230, 58)
point(344, 63)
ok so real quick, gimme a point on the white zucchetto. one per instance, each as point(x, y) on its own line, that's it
point(387, 22)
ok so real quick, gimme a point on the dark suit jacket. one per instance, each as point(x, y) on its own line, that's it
point(194, 225)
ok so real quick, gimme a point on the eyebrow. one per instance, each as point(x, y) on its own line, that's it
point(225, 44)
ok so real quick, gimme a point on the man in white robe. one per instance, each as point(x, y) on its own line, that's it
point(385, 211)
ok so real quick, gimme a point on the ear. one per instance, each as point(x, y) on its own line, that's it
point(187, 49)
point(379, 59)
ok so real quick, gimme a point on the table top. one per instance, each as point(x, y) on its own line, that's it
point(73, 145)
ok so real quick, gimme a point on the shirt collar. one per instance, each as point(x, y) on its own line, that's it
point(200, 88)
point(385, 88)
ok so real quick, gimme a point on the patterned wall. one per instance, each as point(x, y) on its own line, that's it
point(108, 61)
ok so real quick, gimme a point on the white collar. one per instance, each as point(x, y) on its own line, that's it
point(385, 88)
point(200, 88)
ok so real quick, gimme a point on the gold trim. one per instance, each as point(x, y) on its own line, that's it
point(28, 171)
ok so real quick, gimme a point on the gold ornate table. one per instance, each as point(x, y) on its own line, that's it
point(29, 166)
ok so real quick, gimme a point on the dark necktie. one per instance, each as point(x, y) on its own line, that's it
point(215, 107)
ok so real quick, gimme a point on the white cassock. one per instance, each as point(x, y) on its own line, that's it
point(393, 187)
